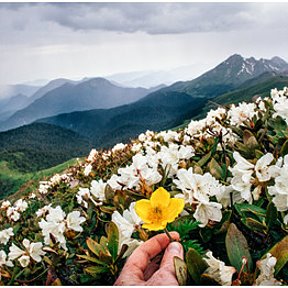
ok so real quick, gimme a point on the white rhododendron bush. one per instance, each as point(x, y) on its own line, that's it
point(231, 172)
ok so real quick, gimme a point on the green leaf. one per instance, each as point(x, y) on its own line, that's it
point(250, 140)
point(109, 192)
point(237, 247)
point(222, 227)
point(183, 226)
point(193, 244)
point(215, 169)
point(253, 224)
point(271, 215)
point(196, 265)
point(204, 159)
point(91, 259)
point(280, 251)
point(284, 149)
point(96, 271)
point(113, 240)
point(107, 209)
point(249, 210)
point(181, 271)
point(258, 154)
point(94, 247)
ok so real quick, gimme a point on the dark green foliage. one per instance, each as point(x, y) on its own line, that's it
point(39, 146)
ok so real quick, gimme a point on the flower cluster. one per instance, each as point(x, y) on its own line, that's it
point(13, 212)
point(56, 224)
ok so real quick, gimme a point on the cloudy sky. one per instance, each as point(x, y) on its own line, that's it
point(74, 40)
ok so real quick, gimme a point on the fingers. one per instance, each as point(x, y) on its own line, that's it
point(148, 250)
point(133, 271)
point(166, 274)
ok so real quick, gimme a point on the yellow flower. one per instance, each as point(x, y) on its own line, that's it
point(159, 210)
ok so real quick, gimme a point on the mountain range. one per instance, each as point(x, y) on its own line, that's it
point(62, 96)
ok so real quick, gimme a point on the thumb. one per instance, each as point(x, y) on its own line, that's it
point(173, 249)
point(166, 275)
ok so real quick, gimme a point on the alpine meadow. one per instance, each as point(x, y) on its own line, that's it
point(127, 124)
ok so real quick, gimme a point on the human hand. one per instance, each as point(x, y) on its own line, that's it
point(134, 271)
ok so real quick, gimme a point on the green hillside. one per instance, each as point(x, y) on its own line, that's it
point(260, 86)
point(25, 151)
point(39, 146)
point(14, 183)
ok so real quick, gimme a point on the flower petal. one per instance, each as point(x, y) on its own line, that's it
point(160, 198)
point(143, 209)
point(174, 208)
point(154, 226)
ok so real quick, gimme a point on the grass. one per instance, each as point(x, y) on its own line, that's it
point(13, 183)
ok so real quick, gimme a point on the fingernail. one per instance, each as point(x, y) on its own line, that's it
point(174, 247)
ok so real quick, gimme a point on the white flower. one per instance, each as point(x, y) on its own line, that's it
point(34, 250)
point(119, 147)
point(54, 228)
point(262, 169)
point(82, 195)
point(44, 187)
point(98, 189)
point(195, 186)
point(244, 188)
point(280, 189)
point(218, 271)
point(13, 214)
point(42, 211)
point(5, 235)
point(280, 102)
point(55, 214)
point(266, 267)
point(242, 165)
point(92, 156)
point(74, 221)
point(88, 169)
point(142, 137)
point(206, 211)
point(106, 155)
point(128, 222)
point(32, 196)
point(4, 260)
point(195, 128)
point(55, 180)
point(15, 252)
point(113, 182)
point(241, 113)
point(186, 152)
point(55, 225)
point(242, 180)
point(214, 115)
point(5, 204)
point(136, 147)
point(20, 205)
point(151, 176)
point(281, 202)
point(226, 194)
point(169, 136)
